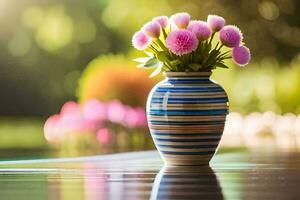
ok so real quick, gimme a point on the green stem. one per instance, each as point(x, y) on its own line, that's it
point(211, 38)
point(168, 64)
point(212, 54)
point(161, 44)
point(181, 59)
point(217, 45)
point(186, 57)
point(156, 44)
point(153, 48)
point(220, 47)
point(164, 33)
point(228, 57)
point(226, 52)
point(199, 46)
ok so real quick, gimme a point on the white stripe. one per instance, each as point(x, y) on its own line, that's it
point(186, 150)
point(191, 105)
point(186, 143)
point(221, 94)
point(167, 85)
point(184, 137)
point(206, 118)
point(162, 107)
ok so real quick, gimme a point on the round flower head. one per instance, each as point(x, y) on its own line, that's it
point(162, 20)
point(215, 22)
point(140, 40)
point(182, 42)
point(152, 29)
point(241, 55)
point(231, 36)
point(181, 20)
point(200, 29)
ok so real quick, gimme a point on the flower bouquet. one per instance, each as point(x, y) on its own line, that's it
point(180, 45)
point(186, 112)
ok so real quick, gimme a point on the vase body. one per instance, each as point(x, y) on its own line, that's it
point(186, 114)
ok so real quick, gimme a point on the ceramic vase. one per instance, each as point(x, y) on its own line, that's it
point(186, 114)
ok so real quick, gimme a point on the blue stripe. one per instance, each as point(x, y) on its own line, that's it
point(192, 89)
point(189, 147)
point(186, 134)
point(189, 153)
point(186, 123)
point(190, 102)
point(187, 140)
point(189, 99)
point(187, 112)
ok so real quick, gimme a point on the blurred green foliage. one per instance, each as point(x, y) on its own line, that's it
point(45, 44)
point(262, 86)
point(21, 133)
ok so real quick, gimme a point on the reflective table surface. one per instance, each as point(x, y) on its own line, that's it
point(141, 175)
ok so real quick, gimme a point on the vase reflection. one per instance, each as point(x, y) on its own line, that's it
point(186, 183)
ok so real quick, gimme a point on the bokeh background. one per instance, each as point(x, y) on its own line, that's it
point(57, 51)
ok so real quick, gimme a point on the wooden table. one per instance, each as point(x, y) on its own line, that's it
point(140, 175)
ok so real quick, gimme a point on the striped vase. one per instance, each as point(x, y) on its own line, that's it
point(186, 115)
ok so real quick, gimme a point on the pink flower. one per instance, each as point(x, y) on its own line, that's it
point(94, 110)
point(142, 121)
point(181, 20)
point(103, 135)
point(152, 29)
point(50, 129)
point(135, 117)
point(215, 22)
point(140, 40)
point(116, 111)
point(70, 109)
point(241, 55)
point(71, 120)
point(182, 42)
point(131, 118)
point(162, 20)
point(200, 29)
point(231, 36)
point(76, 124)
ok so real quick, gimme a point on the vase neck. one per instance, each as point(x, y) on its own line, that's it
point(187, 75)
point(189, 78)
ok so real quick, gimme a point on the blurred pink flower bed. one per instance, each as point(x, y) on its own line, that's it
point(94, 118)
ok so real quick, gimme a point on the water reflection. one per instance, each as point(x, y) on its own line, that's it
point(236, 176)
point(186, 183)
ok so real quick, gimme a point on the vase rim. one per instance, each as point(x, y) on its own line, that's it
point(176, 74)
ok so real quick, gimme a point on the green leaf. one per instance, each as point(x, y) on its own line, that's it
point(222, 65)
point(198, 57)
point(152, 62)
point(157, 70)
point(162, 56)
point(150, 54)
point(195, 66)
point(142, 59)
point(175, 62)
